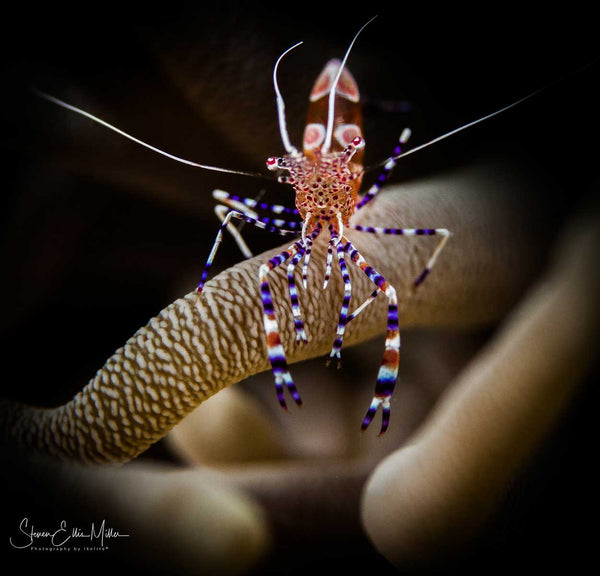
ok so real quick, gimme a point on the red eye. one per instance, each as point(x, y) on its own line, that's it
point(271, 162)
point(358, 142)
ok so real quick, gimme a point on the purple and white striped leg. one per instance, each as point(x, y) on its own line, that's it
point(330, 248)
point(265, 225)
point(360, 308)
point(343, 319)
point(275, 351)
point(273, 225)
point(388, 369)
point(237, 204)
point(307, 255)
point(248, 205)
point(442, 232)
point(296, 312)
point(306, 244)
point(385, 171)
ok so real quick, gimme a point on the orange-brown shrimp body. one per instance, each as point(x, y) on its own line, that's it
point(327, 176)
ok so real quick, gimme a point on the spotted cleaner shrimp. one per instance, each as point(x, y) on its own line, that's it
point(326, 176)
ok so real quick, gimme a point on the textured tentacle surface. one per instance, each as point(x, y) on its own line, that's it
point(191, 351)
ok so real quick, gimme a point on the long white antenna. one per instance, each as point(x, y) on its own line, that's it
point(281, 106)
point(461, 128)
point(141, 142)
point(331, 102)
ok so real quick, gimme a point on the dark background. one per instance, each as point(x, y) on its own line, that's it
point(99, 234)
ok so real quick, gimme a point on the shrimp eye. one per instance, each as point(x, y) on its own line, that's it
point(358, 142)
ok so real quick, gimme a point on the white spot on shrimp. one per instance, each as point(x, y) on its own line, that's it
point(346, 133)
point(314, 134)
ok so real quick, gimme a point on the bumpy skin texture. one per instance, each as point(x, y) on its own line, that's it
point(188, 353)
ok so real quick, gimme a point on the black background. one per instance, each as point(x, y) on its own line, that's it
point(100, 235)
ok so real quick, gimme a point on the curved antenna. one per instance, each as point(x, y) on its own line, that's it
point(72, 108)
point(281, 106)
point(331, 102)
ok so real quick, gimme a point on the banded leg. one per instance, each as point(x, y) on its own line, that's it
point(443, 232)
point(296, 312)
point(330, 248)
point(238, 203)
point(388, 370)
point(340, 335)
point(385, 171)
point(343, 320)
point(248, 205)
point(219, 238)
point(368, 301)
point(307, 255)
point(276, 225)
point(275, 351)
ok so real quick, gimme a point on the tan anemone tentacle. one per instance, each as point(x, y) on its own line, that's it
point(187, 353)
